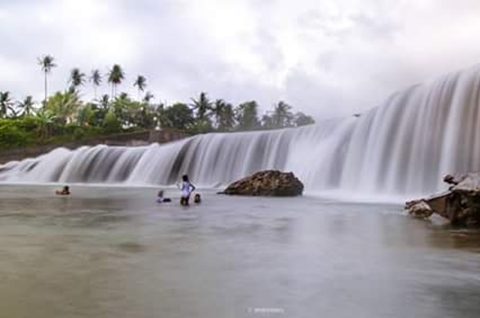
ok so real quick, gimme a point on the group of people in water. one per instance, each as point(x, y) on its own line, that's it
point(187, 189)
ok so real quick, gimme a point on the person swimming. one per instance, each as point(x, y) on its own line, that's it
point(197, 198)
point(187, 189)
point(64, 191)
point(161, 199)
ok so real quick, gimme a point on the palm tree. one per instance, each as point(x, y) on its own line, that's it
point(217, 111)
point(141, 83)
point(64, 106)
point(224, 115)
point(148, 97)
point(5, 103)
point(96, 79)
point(115, 77)
point(28, 106)
point(77, 78)
point(105, 101)
point(202, 106)
point(46, 63)
point(282, 115)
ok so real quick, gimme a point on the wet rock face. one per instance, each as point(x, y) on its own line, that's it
point(267, 183)
point(460, 204)
point(419, 209)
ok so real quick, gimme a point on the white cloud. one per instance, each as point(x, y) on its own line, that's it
point(327, 58)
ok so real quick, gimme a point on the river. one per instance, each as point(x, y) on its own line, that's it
point(114, 252)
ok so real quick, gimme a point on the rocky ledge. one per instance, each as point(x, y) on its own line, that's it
point(267, 183)
point(460, 204)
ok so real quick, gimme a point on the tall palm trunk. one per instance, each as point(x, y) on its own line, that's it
point(46, 91)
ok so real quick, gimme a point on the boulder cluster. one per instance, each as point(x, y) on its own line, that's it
point(267, 183)
point(460, 204)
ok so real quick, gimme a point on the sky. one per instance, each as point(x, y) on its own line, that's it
point(327, 58)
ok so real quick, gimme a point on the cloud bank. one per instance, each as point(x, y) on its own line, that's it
point(327, 58)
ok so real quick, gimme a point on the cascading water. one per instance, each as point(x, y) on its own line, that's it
point(403, 147)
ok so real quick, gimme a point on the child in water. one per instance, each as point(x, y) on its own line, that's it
point(161, 199)
point(197, 198)
point(64, 191)
point(187, 189)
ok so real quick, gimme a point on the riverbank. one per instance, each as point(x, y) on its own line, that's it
point(124, 139)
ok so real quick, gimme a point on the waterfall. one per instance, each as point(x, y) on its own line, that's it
point(404, 146)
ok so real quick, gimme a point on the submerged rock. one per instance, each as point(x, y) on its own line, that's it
point(460, 204)
point(267, 183)
point(419, 209)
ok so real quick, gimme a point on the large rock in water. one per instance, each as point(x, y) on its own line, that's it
point(460, 204)
point(267, 183)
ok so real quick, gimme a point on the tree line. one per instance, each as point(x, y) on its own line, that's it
point(64, 115)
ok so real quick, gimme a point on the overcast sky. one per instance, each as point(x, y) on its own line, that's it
point(327, 58)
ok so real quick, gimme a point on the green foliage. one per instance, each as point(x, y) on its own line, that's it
point(202, 106)
point(140, 83)
point(64, 117)
point(18, 132)
point(77, 79)
point(115, 77)
point(247, 116)
point(46, 62)
point(6, 104)
point(45, 119)
point(111, 124)
point(64, 106)
point(302, 120)
point(86, 115)
point(280, 117)
point(28, 106)
point(11, 136)
point(224, 115)
point(178, 116)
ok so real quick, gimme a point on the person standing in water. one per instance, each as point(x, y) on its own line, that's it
point(187, 189)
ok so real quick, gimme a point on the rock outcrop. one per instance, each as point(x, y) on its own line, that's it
point(460, 204)
point(267, 183)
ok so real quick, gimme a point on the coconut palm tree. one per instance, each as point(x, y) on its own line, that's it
point(5, 103)
point(96, 80)
point(217, 111)
point(28, 106)
point(46, 62)
point(77, 78)
point(148, 97)
point(141, 84)
point(202, 105)
point(282, 115)
point(105, 102)
point(115, 77)
point(224, 115)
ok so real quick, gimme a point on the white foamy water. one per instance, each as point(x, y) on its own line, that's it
point(403, 147)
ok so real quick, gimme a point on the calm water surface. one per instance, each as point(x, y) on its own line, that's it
point(114, 252)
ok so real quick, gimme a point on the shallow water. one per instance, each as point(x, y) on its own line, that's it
point(114, 252)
